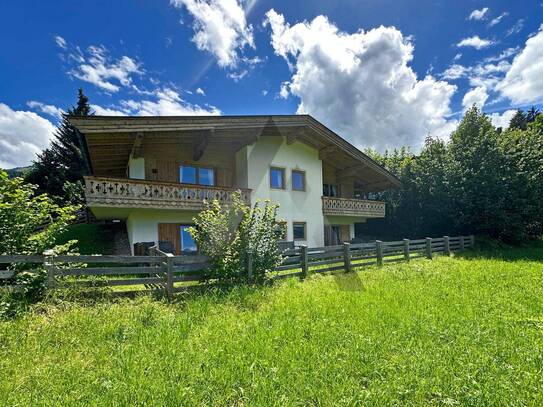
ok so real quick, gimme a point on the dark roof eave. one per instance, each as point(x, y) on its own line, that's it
point(328, 134)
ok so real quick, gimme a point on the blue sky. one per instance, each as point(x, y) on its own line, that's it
point(381, 73)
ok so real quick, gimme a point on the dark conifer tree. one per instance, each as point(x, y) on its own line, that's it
point(532, 114)
point(518, 121)
point(64, 163)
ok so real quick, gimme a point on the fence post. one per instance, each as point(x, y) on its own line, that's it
point(447, 245)
point(462, 246)
point(406, 254)
point(379, 252)
point(48, 265)
point(347, 257)
point(169, 276)
point(304, 261)
point(471, 241)
point(429, 247)
point(250, 265)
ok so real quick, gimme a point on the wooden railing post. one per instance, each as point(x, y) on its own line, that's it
point(169, 275)
point(347, 257)
point(250, 265)
point(304, 260)
point(447, 245)
point(429, 247)
point(406, 254)
point(379, 252)
point(462, 246)
point(471, 241)
point(49, 266)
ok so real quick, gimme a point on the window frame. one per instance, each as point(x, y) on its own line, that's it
point(303, 173)
point(294, 224)
point(283, 178)
point(198, 168)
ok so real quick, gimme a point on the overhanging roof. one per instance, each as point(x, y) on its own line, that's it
point(110, 139)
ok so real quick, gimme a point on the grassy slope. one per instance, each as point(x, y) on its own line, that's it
point(92, 238)
point(447, 331)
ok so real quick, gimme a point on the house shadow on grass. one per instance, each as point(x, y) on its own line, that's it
point(349, 281)
point(532, 251)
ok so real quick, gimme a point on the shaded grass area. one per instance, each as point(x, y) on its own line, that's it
point(456, 331)
point(92, 238)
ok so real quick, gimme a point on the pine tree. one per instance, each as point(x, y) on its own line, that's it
point(518, 121)
point(59, 169)
point(532, 114)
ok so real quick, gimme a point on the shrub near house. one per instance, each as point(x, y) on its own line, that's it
point(227, 234)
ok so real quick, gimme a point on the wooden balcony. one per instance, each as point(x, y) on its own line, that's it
point(133, 193)
point(352, 207)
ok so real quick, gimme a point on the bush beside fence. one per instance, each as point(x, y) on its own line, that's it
point(161, 271)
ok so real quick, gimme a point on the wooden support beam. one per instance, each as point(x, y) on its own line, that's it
point(349, 172)
point(201, 146)
point(291, 138)
point(327, 152)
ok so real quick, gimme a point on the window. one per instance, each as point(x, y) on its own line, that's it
point(196, 175)
point(205, 176)
point(298, 180)
point(298, 230)
point(277, 178)
point(331, 190)
point(281, 230)
point(188, 245)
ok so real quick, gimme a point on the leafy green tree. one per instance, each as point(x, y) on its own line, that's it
point(226, 234)
point(29, 224)
point(483, 186)
point(65, 161)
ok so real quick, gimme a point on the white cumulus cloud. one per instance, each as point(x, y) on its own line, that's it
point(220, 27)
point(162, 102)
point(51, 110)
point(475, 42)
point(478, 14)
point(98, 68)
point(360, 84)
point(523, 82)
point(502, 120)
point(476, 96)
point(23, 134)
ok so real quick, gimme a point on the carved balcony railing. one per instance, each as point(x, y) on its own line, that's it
point(353, 207)
point(132, 193)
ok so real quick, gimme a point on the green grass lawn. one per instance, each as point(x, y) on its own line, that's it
point(451, 331)
point(91, 238)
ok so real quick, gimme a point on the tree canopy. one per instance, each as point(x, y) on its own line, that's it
point(482, 181)
point(59, 169)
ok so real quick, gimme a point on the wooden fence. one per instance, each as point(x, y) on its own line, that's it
point(164, 271)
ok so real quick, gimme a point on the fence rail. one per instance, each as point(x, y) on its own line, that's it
point(161, 271)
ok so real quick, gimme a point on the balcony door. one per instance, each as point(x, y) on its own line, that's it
point(175, 238)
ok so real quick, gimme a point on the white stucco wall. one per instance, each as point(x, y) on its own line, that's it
point(136, 168)
point(142, 224)
point(253, 164)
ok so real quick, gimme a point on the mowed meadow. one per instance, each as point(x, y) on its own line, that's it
point(465, 330)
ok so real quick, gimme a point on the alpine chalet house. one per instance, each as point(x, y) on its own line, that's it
point(155, 173)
